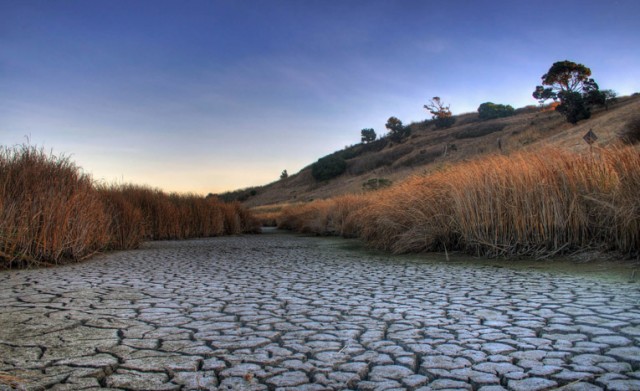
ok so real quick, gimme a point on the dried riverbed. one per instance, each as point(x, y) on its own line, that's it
point(278, 311)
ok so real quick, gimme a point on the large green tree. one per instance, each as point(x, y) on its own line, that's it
point(566, 76)
point(571, 84)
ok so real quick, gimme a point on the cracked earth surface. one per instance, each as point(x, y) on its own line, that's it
point(282, 312)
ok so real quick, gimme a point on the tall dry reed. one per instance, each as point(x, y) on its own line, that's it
point(156, 215)
point(537, 203)
point(126, 225)
point(267, 215)
point(51, 211)
point(335, 216)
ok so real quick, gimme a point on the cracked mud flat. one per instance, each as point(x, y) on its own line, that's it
point(277, 311)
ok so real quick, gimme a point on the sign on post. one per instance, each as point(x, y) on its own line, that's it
point(590, 137)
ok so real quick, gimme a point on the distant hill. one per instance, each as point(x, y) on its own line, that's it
point(384, 162)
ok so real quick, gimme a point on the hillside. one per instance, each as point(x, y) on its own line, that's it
point(427, 149)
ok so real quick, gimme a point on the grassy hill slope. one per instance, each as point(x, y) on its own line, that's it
point(428, 149)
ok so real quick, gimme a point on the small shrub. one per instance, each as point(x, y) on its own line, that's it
point(631, 134)
point(444, 122)
point(328, 167)
point(489, 110)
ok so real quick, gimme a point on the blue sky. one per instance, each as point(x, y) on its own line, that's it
point(207, 96)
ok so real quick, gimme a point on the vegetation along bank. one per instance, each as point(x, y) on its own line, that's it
point(51, 211)
point(540, 203)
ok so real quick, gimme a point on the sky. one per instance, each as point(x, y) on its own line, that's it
point(206, 96)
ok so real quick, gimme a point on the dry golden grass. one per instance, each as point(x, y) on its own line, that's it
point(51, 211)
point(126, 226)
point(335, 216)
point(232, 221)
point(267, 215)
point(268, 219)
point(531, 203)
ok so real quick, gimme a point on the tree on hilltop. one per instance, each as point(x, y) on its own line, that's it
point(368, 135)
point(567, 76)
point(571, 84)
point(397, 131)
point(440, 113)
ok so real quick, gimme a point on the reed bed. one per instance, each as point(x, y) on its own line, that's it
point(538, 203)
point(336, 216)
point(51, 211)
point(268, 215)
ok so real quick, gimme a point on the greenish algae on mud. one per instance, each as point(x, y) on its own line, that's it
point(588, 264)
